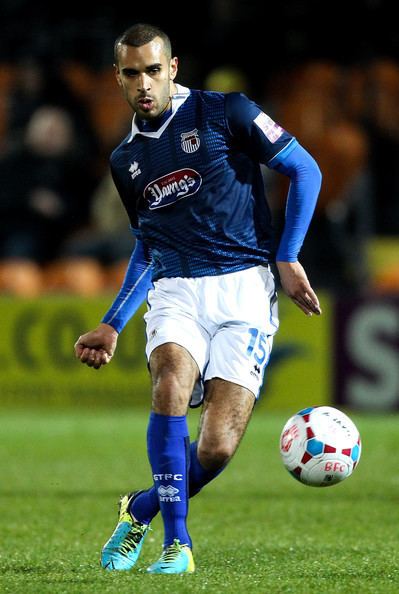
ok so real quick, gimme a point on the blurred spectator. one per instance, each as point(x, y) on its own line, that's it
point(108, 237)
point(336, 247)
point(22, 277)
point(38, 82)
point(309, 103)
point(382, 125)
point(45, 188)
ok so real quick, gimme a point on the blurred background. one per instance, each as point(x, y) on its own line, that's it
point(329, 76)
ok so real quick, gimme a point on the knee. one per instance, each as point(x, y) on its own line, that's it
point(169, 396)
point(173, 374)
point(213, 456)
point(167, 383)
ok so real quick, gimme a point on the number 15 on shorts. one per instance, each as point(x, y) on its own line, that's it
point(258, 346)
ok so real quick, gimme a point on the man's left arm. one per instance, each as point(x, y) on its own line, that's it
point(305, 177)
point(266, 141)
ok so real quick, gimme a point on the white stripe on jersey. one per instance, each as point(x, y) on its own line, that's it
point(129, 294)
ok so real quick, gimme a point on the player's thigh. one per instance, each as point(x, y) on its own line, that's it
point(239, 353)
point(225, 415)
point(240, 348)
point(174, 373)
point(172, 317)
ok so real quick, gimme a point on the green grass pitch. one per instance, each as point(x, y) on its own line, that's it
point(255, 529)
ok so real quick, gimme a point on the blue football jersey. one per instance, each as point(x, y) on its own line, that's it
point(192, 185)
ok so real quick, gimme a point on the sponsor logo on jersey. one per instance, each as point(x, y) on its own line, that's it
point(172, 187)
point(270, 129)
point(134, 169)
point(190, 141)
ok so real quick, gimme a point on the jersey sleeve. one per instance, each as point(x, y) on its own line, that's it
point(305, 181)
point(134, 288)
point(260, 136)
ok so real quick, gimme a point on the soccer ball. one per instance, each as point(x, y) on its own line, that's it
point(320, 446)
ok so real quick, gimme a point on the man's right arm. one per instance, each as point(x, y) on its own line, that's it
point(134, 288)
point(97, 347)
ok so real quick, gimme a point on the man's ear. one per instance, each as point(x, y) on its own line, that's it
point(173, 68)
point(117, 75)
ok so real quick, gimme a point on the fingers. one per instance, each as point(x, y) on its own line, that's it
point(308, 303)
point(307, 310)
point(296, 285)
point(92, 357)
point(95, 348)
point(313, 301)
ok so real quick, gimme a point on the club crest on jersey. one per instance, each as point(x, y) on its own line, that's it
point(134, 169)
point(190, 141)
point(172, 187)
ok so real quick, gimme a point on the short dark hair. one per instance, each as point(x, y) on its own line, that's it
point(140, 34)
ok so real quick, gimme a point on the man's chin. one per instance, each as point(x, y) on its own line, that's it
point(146, 116)
point(147, 112)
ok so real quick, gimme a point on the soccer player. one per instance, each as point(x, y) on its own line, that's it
point(189, 176)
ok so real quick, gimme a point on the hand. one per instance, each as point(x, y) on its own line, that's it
point(296, 285)
point(97, 347)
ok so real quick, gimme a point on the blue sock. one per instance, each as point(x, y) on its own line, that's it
point(146, 505)
point(167, 445)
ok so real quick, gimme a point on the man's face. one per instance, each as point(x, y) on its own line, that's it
point(146, 76)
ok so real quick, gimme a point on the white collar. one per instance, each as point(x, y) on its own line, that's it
point(177, 100)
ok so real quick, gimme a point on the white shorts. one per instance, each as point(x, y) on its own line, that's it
point(225, 322)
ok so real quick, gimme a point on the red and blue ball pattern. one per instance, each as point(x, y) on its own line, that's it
point(314, 448)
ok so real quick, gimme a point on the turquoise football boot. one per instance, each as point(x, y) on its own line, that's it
point(122, 550)
point(176, 558)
